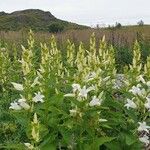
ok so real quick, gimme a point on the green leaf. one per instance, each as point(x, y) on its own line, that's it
point(57, 99)
point(48, 146)
point(12, 146)
point(48, 143)
point(130, 139)
point(100, 141)
point(114, 145)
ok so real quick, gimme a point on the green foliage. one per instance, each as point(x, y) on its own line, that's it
point(73, 101)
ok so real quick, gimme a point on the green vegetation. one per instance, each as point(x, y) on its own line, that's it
point(73, 99)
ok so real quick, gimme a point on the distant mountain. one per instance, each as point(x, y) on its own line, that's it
point(34, 19)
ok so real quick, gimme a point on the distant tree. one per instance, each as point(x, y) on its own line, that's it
point(140, 23)
point(118, 25)
point(97, 26)
point(111, 27)
point(55, 27)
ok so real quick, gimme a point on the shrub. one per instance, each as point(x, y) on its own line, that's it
point(118, 25)
point(140, 23)
point(55, 27)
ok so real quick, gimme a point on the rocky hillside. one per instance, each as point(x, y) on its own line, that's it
point(34, 19)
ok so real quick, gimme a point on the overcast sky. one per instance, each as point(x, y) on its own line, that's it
point(88, 12)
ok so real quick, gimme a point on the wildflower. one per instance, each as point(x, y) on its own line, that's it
point(130, 104)
point(38, 98)
point(147, 105)
point(29, 146)
point(143, 127)
point(23, 104)
point(84, 91)
point(76, 87)
point(15, 106)
point(17, 86)
point(145, 140)
point(95, 101)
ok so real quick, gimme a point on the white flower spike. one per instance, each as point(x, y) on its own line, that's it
point(17, 86)
point(90, 76)
point(141, 79)
point(35, 82)
point(147, 104)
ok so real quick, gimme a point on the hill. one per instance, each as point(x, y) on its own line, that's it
point(34, 19)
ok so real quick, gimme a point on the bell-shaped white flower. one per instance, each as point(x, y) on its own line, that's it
point(130, 104)
point(145, 140)
point(38, 98)
point(22, 102)
point(143, 127)
point(84, 91)
point(147, 104)
point(95, 101)
point(76, 87)
point(17, 86)
point(15, 106)
point(136, 90)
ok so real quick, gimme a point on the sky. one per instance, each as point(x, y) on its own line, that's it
point(87, 12)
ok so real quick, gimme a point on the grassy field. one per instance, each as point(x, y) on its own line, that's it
point(123, 36)
point(122, 40)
